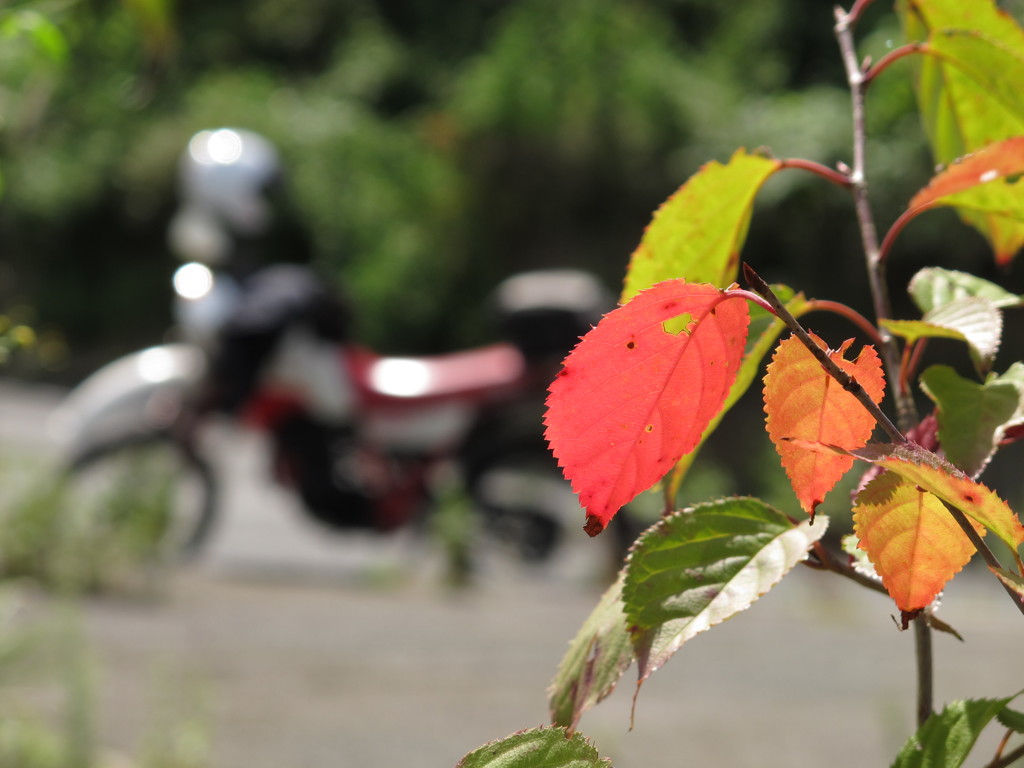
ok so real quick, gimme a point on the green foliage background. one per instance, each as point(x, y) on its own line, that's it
point(434, 147)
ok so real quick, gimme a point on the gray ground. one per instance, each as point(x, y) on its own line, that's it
point(292, 647)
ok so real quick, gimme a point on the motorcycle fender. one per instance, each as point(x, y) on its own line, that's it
point(138, 393)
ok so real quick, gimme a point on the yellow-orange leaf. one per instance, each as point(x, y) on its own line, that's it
point(916, 465)
point(911, 539)
point(803, 402)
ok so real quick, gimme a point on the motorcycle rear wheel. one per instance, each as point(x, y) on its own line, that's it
point(529, 510)
point(156, 492)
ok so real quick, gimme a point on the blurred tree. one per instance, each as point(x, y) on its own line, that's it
point(434, 147)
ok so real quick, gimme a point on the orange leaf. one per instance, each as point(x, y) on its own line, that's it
point(804, 403)
point(911, 539)
point(638, 391)
point(1005, 158)
point(969, 181)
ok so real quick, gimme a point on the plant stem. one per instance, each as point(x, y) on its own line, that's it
point(858, 8)
point(1002, 744)
point(891, 57)
point(923, 654)
point(846, 381)
point(987, 555)
point(849, 313)
point(829, 174)
point(831, 563)
point(905, 218)
point(1008, 759)
point(906, 413)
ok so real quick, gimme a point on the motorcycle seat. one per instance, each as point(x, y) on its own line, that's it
point(471, 374)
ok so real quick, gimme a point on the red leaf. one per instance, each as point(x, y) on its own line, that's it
point(804, 403)
point(638, 391)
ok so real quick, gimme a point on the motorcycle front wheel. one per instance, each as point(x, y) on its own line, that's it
point(153, 495)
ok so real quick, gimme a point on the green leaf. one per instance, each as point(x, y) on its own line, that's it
point(44, 34)
point(973, 417)
point(701, 566)
point(994, 65)
point(1012, 719)
point(536, 748)
point(960, 114)
point(764, 331)
point(597, 657)
point(698, 232)
point(947, 737)
point(973, 320)
point(933, 287)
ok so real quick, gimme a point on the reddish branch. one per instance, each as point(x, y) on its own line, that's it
point(836, 177)
point(893, 56)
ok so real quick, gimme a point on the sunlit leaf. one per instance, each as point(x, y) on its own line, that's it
point(962, 114)
point(698, 232)
point(765, 328)
point(987, 181)
point(911, 539)
point(947, 737)
point(804, 402)
point(995, 67)
point(859, 559)
point(933, 286)
point(1013, 580)
point(638, 391)
point(597, 657)
point(972, 320)
point(981, 504)
point(536, 748)
point(701, 566)
point(973, 417)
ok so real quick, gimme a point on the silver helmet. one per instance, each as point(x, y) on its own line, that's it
point(222, 177)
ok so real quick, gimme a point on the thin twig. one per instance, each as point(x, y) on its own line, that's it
point(913, 362)
point(892, 56)
point(1002, 743)
point(906, 412)
point(858, 8)
point(846, 381)
point(845, 569)
point(923, 655)
point(897, 226)
point(1008, 759)
point(849, 313)
point(830, 174)
point(987, 555)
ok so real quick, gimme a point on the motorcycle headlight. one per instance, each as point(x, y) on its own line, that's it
point(193, 281)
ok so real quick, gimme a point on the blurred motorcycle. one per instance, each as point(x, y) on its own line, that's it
point(363, 439)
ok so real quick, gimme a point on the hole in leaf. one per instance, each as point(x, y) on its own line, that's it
point(649, 428)
point(677, 325)
point(630, 344)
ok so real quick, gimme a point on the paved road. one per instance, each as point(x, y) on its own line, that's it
point(295, 648)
